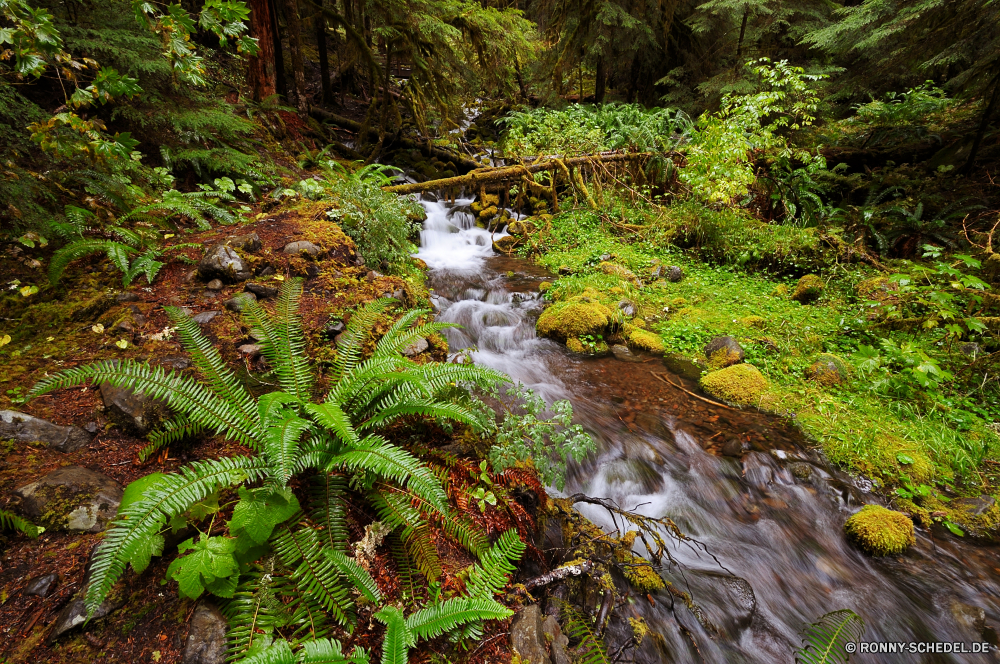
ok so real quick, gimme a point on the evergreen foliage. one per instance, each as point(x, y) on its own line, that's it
point(281, 573)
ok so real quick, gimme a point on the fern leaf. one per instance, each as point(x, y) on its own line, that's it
point(135, 532)
point(824, 641)
point(71, 252)
point(421, 549)
point(331, 416)
point(398, 638)
point(314, 574)
point(440, 618)
point(330, 651)
point(281, 443)
point(282, 340)
point(591, 648)
point(14, 522)
point(328, 509)
point(490, 574)
point(355, 573)
point(174, 429)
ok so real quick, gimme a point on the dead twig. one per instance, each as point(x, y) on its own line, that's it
point(689, 392)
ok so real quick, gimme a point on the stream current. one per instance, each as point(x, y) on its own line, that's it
point(770, 510)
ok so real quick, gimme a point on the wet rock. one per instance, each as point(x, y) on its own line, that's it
point(302, 248)
point(41, 586)
point(238, 303)
point(526, 636)
point(265, 271)
point(75, 614)
point(206, 642)
point(733, 448)
point(628, 308)
point(674, 273)
point(972, 618)
point(974, 506)
point(222, 262)
point(723, 352)
point(333, 328)
point(726, 601)
point(133, 410)
point(505, 245)
point(801, 471)
point(565, 269)
point(205, 317)
point(214, 284)
point(558, 640)
point(756, 474)
point(127, 297)
point(417, 347)
point(260, 290)
point(177, 362)
point(624, 354)
point(249, 242)
point(72, 497)
point(18, 426)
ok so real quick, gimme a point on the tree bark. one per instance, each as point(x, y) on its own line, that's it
point(599, 85)
point(984, 123)
point(261, 69)
point(281, 83)
point(295, 47)
point(324, 61)
point(743, 31)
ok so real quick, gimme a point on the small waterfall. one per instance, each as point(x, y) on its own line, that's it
point(778, 557)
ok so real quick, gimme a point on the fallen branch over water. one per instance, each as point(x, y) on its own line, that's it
point(559, 574)
point(484, 176)
point(689, 392)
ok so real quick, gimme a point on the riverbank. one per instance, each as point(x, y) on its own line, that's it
point(831, 363)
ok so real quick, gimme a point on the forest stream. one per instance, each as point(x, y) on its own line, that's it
point(768, 509)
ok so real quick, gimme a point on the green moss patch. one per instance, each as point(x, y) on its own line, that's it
point(564, 320)
point(741, 383)
point(880, 532)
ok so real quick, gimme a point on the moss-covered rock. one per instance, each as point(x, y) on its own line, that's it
point(723, 352)
point(544, 286)
point(828, 369)
point(741, 383)
point(880, 531)
point(616, 270)
point(809, 288)
point(756, 322)
point(587, 346)
point(645, 340)
point(505, 245)
point(574, 318)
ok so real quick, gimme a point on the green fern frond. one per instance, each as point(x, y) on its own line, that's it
point(73, 251)
point(376, 455)
point(332, 416)
point(330, 651)
point(328, 509)
point(358, 329)
point(398, 638)
point(134, 538)
point(314, 574)
point(591, 648)
point(282, 341)
point(9, 520)
point(281, 442)
point(254, 610)
point(174, 429)
point(355, 573)
point(184, 395)
point(404, 568)
point(439, 618)
point(489, 576)
point(824, 641)
point(421, 550)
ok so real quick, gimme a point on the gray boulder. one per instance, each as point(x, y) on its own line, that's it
point(417, 347)
point(222, 262)
point(238, 303)
point(205, 317)
point(674, 273)
point(72, 497)
point(559, 641)
point(206, 641)
point(974, 506)
point(624, 354)
point(249, 242)
point(526, 636)
point(75, 614)
point(134, 411)
point(18, 426)
point(260, 290)
point(300, 247)
point(41, 586)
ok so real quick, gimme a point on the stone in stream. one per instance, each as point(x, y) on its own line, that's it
point(72, 497)
point(206, 641)
point(558, 640)
point(526, 636)
point(41, 586)
point(727, 602)
point(974, 506)
point(133, 410)
point(624, 354)
point(18, 426)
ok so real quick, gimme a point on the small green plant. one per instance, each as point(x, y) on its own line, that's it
point(549, 442)
point(284, 567)
point(11, 521)
point(825, 641)
point(483, 494)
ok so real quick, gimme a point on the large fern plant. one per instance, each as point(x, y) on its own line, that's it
point(287, 569)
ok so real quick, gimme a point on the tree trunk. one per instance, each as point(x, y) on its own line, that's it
point(743, 31)
point(281, 83)
point(260, 75)
point(599, 84)
point(295, 46)
point(324, 61)
point(984, 123)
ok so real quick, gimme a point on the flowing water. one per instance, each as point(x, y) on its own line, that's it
point(771, 515)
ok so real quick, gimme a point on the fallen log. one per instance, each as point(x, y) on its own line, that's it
point(483, 176)
point(409, 143)
point(559, 573)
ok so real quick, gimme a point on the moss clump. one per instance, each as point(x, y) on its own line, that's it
point(879, 531)
point(637, 570)
point(619, 271)
point(565, 320)
point(781, 290)
point(829, 370)
point(756, 322)
point(544, 286)
point(587, 347)
point(809, 288)
point(876, 289)
point(741, 383)
point(505, 244)
point(645, 340)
